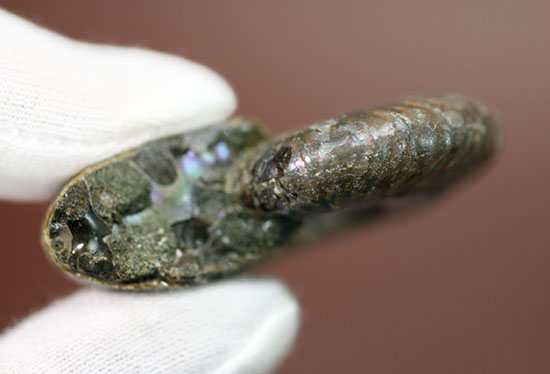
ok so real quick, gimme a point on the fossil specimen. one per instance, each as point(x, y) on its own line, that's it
point(207, 203)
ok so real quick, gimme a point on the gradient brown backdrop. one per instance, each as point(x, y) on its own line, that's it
point(461, 287)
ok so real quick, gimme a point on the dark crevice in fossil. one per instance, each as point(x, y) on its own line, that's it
point(157, 164)
point(89, 254)
point(191, 233)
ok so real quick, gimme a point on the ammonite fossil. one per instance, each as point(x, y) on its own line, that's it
point(207, 203)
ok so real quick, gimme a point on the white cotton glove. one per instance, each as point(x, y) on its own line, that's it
point(238, 326)
point(65, 105)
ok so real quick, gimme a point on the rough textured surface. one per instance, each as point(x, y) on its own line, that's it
point(208, 203)
point(158, 216)
point(417, 146)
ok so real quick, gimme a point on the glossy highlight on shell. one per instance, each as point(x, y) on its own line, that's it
point(208, 203)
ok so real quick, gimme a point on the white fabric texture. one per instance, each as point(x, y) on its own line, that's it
point(239, 326)
point(64, 105)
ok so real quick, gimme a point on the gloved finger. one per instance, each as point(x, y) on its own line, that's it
point(238, 326)
point(66, 104)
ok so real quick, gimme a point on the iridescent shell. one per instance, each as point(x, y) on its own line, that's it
point(208, 203)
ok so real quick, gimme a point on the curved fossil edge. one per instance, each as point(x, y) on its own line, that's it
point(255, 128)
point(80, 277)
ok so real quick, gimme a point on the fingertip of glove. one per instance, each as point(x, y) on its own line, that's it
point(237, 326)
point(85, 102)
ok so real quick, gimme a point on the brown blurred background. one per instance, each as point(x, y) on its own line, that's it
point(460, 287)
